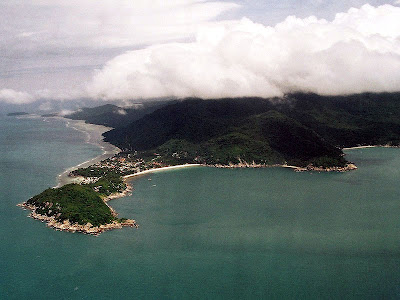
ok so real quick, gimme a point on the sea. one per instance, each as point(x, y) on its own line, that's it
point(205, 233)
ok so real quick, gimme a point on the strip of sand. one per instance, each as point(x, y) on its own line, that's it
point(127, 177)
point(361, 147)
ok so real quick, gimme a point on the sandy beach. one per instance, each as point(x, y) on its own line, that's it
point(93, 136)
point(127, 177)
point(361, 147)
point(372, 146)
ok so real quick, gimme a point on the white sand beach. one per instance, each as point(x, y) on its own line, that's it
point(361, 147)
point(127, 177)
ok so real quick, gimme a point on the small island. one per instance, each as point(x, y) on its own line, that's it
point(16, 114)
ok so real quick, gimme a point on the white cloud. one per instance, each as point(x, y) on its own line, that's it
point(65, 112)
point(121, 112)
point(15, 97)
point(358, 51)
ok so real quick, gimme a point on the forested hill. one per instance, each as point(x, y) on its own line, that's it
point(298, 129)
point(347, 121)
point(116, 116)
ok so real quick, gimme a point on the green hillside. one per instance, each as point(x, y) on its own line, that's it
point(73, 202)
point(298, 129)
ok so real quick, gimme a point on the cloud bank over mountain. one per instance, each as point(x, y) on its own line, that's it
point(358, 51)
point(121, 49)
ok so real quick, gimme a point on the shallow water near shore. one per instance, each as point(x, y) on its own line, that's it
point(204, 233)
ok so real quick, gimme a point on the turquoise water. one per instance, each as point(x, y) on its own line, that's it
point(204, 233)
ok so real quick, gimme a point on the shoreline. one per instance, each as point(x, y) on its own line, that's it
point(88, 228)
point(94, 136)
point(371, 146)
point(310, 168)
point(346, 168)
point(363, 147)
point(65, 225)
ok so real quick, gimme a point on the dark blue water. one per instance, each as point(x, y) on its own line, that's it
point(204, 233)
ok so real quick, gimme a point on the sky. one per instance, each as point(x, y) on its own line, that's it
point(54, 51)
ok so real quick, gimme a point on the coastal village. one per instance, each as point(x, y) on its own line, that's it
point(122, 164)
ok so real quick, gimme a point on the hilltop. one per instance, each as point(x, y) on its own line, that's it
point(116, 116)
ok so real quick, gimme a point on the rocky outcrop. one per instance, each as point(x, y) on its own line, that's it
point(66, 225)
point(244, 164)
point(348, 167)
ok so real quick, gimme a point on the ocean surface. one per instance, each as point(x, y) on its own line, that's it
point(204, 233)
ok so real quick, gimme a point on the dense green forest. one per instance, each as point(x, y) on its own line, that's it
point(73, 202)
point(298, 129)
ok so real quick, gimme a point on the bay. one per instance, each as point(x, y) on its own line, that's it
point(204, 233)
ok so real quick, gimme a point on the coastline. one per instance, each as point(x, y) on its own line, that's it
point(364, 147)
point(88, 228)
point(371, 146)
point(75, 227)
point(93, 136)
point(309, 168)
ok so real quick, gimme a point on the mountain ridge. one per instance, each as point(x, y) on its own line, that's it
point(298, 129)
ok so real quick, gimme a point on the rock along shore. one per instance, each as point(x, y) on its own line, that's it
point(243, 164)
